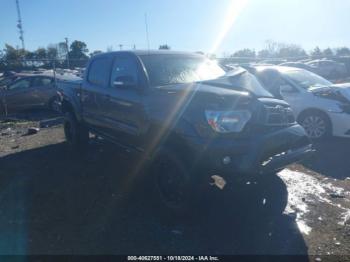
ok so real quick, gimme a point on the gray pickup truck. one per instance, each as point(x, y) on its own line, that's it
point(197, 128)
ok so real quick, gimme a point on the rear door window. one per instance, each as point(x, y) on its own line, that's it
point(42, 81)
point(21, 84)
point(99, 71)
point(123, 67)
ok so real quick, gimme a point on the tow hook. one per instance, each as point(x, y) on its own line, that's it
point(218, 181)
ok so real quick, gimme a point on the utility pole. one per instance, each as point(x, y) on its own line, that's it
point(66, 38)
point(120, 46)
point(19, 24)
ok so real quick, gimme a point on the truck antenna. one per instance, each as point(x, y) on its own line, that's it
point(147, 36)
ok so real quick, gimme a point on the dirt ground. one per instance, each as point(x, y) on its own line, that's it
point(53, 201)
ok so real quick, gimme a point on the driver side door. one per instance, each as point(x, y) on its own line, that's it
point(123, 101)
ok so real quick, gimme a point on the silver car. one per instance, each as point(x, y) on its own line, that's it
point(328, 68)
point(28, 92)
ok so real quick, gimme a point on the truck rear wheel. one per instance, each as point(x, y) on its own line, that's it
point(76, 134)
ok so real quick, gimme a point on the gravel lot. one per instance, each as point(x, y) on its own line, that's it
point(55, 202)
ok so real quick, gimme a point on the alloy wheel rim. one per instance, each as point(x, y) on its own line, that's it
point(314, 126)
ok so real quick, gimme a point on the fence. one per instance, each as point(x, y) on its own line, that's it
point(20, 65)
point(39, 64)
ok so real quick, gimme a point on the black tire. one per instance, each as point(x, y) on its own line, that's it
point(265, 198)
point(274, 196)
point(76, 134)
point(171, 187)
point(316, 124)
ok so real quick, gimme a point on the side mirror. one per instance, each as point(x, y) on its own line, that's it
point(287, 89)
point(124, 81)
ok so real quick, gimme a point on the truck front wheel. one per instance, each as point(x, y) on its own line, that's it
point(274, 195)
point(76, 134)
point(171, 185)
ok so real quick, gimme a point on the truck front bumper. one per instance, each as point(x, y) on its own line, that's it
point(255, 155)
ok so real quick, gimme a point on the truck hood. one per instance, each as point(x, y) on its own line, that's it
point(201, 88)
point(235, 82)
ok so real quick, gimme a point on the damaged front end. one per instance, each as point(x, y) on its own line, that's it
point(337, 93)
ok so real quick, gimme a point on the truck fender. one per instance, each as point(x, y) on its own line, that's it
point(68, 106)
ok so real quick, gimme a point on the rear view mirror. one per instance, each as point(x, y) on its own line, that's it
point(124, 81)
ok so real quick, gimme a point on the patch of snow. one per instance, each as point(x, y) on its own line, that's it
point(304, 189)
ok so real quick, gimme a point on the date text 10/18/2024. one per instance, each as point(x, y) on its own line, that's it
point(173, 258)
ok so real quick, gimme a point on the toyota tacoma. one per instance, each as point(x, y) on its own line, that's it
point(198, 129)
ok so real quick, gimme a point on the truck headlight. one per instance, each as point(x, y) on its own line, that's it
point(227, 121)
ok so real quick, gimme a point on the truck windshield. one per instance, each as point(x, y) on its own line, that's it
point(179, 69)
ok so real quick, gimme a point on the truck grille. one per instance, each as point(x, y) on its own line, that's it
point(278, 115)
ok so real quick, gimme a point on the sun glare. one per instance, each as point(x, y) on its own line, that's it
point(234, 10)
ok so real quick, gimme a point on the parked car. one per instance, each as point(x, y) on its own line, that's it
point(198, 128)
point(27, 92)
point(298, 65)
point(8, 77)
point(321, 107)
point(328, 68)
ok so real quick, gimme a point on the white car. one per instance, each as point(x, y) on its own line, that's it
point(321, 107)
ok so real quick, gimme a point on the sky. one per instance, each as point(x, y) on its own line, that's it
point(218, 26)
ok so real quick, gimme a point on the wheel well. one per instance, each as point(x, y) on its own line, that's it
point(66, 107)
point(313, 111)
point(179, 146)
point(52, 100)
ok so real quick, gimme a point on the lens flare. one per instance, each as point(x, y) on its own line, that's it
point(234, 10)
point(161, 135)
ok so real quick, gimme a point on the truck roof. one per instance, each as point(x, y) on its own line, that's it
point(152, 52)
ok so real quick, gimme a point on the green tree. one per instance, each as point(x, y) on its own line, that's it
point(96, 52)
point(290, 50)
point(40, 53)
point(244, 53)
point(29, 55)
point(343, 51)
point(12, 57)
point(327, 52)
point(264, 53)
point(316, 52)
point(62, 50)
point(164, 47)
point(78, 50)
point(52, 52)
point(11, 53)
point(78, 54)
